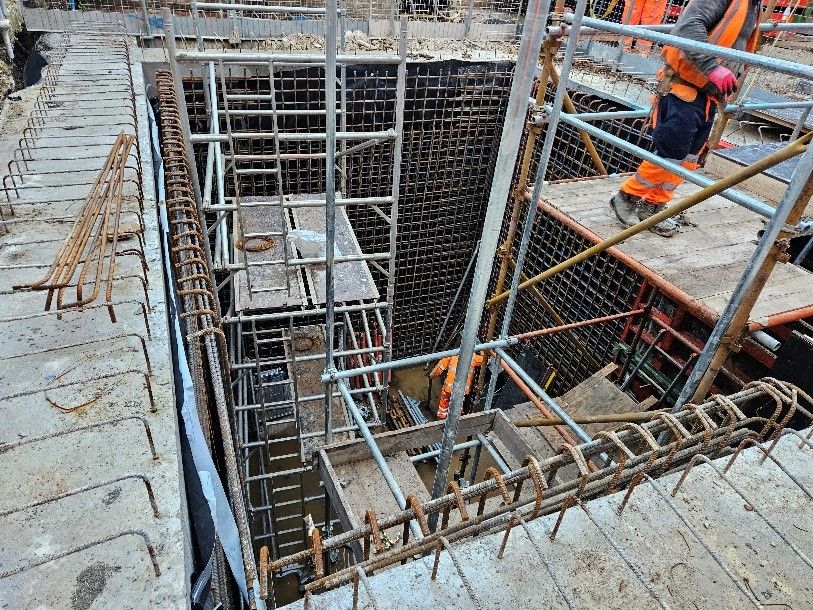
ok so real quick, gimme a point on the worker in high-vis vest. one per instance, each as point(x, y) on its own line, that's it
point(690, 86)
point(642, 12)
point(449, 364)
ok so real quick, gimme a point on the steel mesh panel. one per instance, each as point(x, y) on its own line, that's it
point(450, 140)
point(453, 113)
point(451, 134)
point(599, 286)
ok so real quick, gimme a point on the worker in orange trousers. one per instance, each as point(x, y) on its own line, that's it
point(690, 86)
point(643, 12)
point(449, 364)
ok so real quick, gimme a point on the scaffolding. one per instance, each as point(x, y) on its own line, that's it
point(783, 222)
point(297, 349)
point(299, 295)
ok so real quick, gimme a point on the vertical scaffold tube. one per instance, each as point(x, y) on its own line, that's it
point(535, 22)
point(542, 168)
point(331, 19)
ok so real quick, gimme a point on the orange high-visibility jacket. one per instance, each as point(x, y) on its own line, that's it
point(686, 79)
point(642, 12)
point(450, 364)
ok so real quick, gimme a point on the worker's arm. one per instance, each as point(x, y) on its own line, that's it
point(441, 366)
point(697, 19)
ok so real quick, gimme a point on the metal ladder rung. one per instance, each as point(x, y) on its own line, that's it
point(274, 383)
point(270, 289)
point(256, 171)
point(266, 112)
point(263, 234)
point(284, 456)
point(277, 422)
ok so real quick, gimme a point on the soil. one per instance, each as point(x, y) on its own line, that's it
point(425, 48)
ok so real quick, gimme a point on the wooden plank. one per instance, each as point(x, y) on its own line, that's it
point(308, 341)
point(531, 436)
point(704, 261)
point(544, 447)
point(364, 487)
point(339, 501)
point(353, 280)
point(268, 285)
point(510, 437)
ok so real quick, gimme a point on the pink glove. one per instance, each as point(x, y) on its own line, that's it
point(723, 79)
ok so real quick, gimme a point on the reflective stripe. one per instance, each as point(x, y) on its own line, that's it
point(691, 159)
point(666, 186)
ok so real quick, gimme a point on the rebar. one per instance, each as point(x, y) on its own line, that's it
point(732, 430)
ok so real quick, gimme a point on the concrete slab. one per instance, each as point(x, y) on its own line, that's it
point(77, 391)
point(714, 549)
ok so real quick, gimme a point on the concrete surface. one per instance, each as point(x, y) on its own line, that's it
point(91, 103)
point(713, 550)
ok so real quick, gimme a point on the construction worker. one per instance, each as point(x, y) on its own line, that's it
point(642, 12)
point(449, 364)
point(690, 86)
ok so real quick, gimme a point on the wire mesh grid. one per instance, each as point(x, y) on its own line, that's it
point(450, 139)
point(598, 287)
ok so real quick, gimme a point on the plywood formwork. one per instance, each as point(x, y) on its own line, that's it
point(355, 482)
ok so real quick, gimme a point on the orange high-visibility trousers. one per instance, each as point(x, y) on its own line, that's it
point(654, 184)
point(643, 12)
point(680, 131)
point(449, 364)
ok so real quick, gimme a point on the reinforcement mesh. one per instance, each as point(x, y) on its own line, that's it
point(452, 122)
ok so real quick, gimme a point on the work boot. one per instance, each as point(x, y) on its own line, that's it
point(626, 208)
point(665, 228)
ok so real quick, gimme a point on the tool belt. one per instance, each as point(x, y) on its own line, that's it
point(670, 82)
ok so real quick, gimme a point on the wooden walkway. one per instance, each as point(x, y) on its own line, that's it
point(700, 265)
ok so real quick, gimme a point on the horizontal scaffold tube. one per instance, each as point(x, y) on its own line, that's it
point(770, 26)
point(481, 347)
point(226, 57)
point(773, 64)
point(731, 108)
point(258, 8)
point(790, 151)
point(738, 197)
point(204, 138)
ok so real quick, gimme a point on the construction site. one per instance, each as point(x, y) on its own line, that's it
point(323, 304)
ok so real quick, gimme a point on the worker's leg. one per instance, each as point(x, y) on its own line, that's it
point(701, 138)
point(652, 13)
point(633, 10)
point(678, 127)
point(443, 404)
